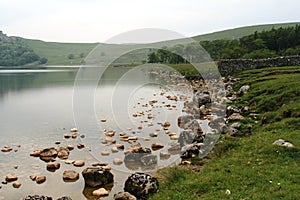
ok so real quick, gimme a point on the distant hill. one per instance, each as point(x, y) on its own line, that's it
point(237, 33)
point(74, 53)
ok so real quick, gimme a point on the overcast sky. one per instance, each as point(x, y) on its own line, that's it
point(99, 20)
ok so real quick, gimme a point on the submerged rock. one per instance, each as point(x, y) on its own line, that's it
point(97, 176)
point(141, 185)
point(70, 175)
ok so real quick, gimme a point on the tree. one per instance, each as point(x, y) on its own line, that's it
point(43, 60)
point(71, 56)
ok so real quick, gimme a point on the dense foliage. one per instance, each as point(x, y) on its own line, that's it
point(266, 44)
point(17, 54)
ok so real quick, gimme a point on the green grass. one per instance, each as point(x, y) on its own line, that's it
point(250, 167)
point(57, 53)
point(236, 33)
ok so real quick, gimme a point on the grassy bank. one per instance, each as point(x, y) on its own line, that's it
point(250, 167)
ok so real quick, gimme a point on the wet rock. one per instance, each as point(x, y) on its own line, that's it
point(63, 153)
point(117, 161)
point(40, 179)
point(105, 153)
point(186, 137)
point(120, 146)
point(74, 130)
point(48, 153)
point(70, 147)
point(100, 192)
point(80, 146)
point(37, 197)
point(202, 98)
point(74, 135)
point(282, 142)
point(124, 196)
point(156, 146)
point(97, 177)
point(6, 149)
point(141, 185)
point(53, 166)
point(183, 120)
point(164, 155)
point(16, 184)
point(36, 153)
point(70, 176)
point(153, 134)
point(79, 163)
point(67, 135)
point(167, 124)
point(114, 150)
point(32, 177)
point(149, 160)
point(103, 120)
point(11, 177)
point(135, 153)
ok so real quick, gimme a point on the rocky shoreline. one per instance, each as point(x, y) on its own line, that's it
point(207, 103)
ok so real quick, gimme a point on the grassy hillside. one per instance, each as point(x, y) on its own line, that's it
point(249, 167)
point(57, 53)
point(240, 32)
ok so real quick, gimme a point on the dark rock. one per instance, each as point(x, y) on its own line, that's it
point(37, 197)
point(141, 185)
point(64, 198)
point(136, 153)
point(191, 150)
point(97, 177)
point(124, 196)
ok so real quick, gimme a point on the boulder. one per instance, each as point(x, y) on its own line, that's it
point(183, 120)
point(141, 185)
point(97, 176)
point(70, 176)
point(124, 196)
point(202, 98)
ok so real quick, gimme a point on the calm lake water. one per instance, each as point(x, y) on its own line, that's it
point(38, 106)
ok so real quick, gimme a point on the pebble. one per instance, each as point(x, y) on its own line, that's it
point(117, 161)
point(79, 163)
point(16, 184)
point(67, 135)
point(40, 179)
point(32, 177)
point(120, 146)
point(11, 177)
point(53, 166)
point(74, 130)
point(70, 147)
point(114, 150)
point(80, 146)
point(156, 146)
point(103, 120)
point(104, 153)
point(153, 134)
point(69, 161)
point(100, 192)
point(6, 149)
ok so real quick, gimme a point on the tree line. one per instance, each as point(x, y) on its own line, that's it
point(265, 44)
point(17, 54)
